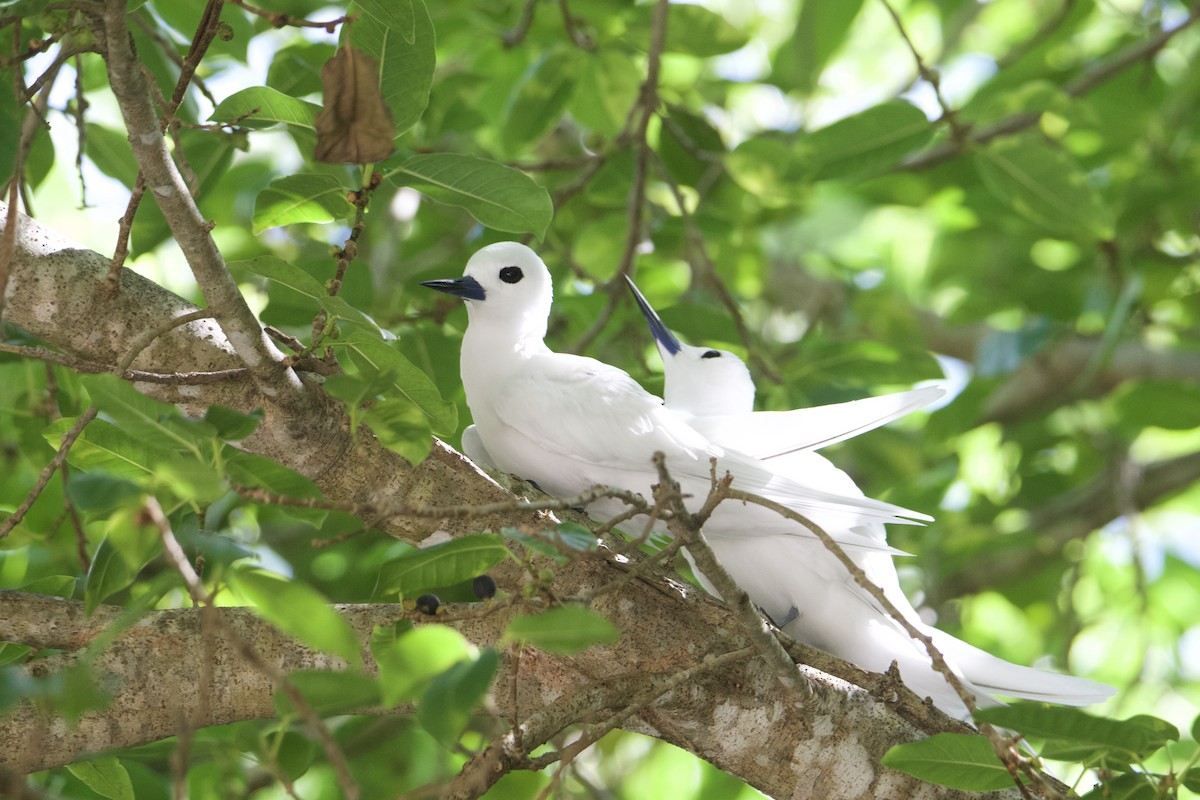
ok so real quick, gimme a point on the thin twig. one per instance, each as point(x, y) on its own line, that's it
point(958, 131)
point(517, 34)
point(288, 21)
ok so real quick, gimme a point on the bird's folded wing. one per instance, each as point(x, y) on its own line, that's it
point(769, 434)
point(595, 414)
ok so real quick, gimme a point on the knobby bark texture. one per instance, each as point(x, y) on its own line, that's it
point(788, 744)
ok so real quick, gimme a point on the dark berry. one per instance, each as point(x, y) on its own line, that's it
point(428, 604)
point(484, 587)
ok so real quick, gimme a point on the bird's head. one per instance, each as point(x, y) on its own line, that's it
point(699, 380)
point(507, 288)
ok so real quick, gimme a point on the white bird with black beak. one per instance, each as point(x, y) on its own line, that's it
point(714, 386)
point(569, 423)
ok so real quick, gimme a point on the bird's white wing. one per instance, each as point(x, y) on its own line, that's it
point(770, 434)
point(596, 415)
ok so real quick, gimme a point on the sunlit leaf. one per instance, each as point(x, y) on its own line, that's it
point(500, 197)
point(409, 657)
point(300, 198)
point(446, 706)
point(959, 760)
point(1045, 185)
point(104, 776)
point(866, 143)
point(260, 106)
point(400, 36)
point(1124, 738)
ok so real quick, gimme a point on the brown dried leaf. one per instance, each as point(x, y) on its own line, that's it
point(355, 125)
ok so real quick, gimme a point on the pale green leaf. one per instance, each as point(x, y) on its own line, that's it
point(959, 760)
point(400, 36)
point(104, 776)
point(261, 106)
point(500, 197)
point(306, 197)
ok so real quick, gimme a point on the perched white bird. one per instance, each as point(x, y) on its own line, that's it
point(714, 384)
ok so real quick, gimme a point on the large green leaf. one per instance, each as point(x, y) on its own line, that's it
point(568, 629)
point(281, 272)
point(443, 564)
point(500, 197)
point(307, 197)
point(372, 356)
point(104, 776)
point(108, 574)
point(820, 32)
point(144, 418)
point(261, 106)
point(399, 34)
point(105, 447)
point(959, 760)
point(1046, 185)
point(866, 143)
point(1084, 734)
point(446, 706)
point(409, 658)
point(298, 609)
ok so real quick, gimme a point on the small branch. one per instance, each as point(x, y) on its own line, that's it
point(958, 131)
point(191, 231)
point(1077, 87)
point(517, 34)
point(687, 528)
point(288, 21)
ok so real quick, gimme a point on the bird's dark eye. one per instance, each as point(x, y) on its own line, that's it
point(711, 354)
point(511, 274)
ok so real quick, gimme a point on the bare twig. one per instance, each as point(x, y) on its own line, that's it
point(517, 34)
point(958, 131)
point(288, 21)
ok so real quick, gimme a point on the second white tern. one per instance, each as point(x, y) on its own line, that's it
point(711, 384)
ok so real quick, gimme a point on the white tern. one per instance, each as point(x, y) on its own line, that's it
point(715, 384)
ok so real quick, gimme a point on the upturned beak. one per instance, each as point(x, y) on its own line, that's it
point(663, 337)
point(465, 287)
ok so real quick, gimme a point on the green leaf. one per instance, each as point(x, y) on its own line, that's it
point(1045, 185)
point(696, 31)
point(409, 658)
point(53, 585)
point(1191, 779)
point(262, 106)
point(443, 564)
point(606, 87)
point(766, 166)
point(104, 776)
point(538, 99)
point(402, 427)
point(400, 35)
point(1130, 786)
point(958, 760)
point(446, 706)
point(230, 425)
point(108, 575)
point(144, 418)
point(1127, 740)
point(329, 692)
point(1173, 405)
point(251, 470)
point(820, 32)
point(374, 357)
point(109, 151)
point(500, 197)
point(103, 447)
point(307, 197)
point(99, 491)
point(281, 272)
point(569, 630)
point(298, 609)
point(552, 542)
point(864, 144)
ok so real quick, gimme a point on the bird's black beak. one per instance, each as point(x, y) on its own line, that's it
point(465, 287)
point(665, 339)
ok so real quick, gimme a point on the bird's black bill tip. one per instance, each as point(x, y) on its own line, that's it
point(465, 287)
point(665, 339)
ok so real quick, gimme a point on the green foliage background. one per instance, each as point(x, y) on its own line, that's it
point(808, 204)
